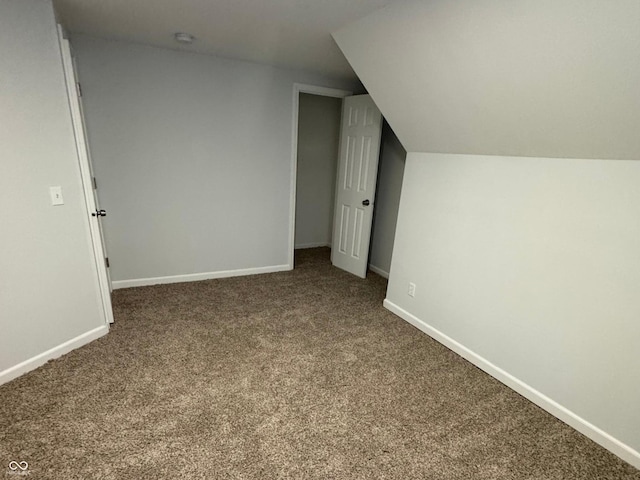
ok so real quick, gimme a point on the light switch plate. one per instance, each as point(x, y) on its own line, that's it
point(56, 195)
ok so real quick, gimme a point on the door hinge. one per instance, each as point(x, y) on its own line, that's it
point(79, 88)
point(106, 261)
point(95, 183)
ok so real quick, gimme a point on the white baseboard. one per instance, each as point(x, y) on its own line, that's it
point(379, 271)
point(55, 352)
point(195, 277)
point(599, 436)
point(312, 245)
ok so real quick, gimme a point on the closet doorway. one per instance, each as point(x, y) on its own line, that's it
point(316, 142)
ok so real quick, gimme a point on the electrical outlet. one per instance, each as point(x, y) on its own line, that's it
point(56, 195)
point(412, 289)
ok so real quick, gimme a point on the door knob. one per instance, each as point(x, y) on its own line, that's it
point(365, 203)
point(99, 213)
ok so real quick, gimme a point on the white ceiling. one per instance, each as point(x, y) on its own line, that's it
point(287, 33)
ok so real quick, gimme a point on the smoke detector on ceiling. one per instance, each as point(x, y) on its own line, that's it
point(185, 38)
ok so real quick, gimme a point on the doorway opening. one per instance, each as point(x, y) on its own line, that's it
point(317, 114)
point(318, 144)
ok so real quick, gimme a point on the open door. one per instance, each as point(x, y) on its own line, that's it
point(86, 171)
point(356, 184)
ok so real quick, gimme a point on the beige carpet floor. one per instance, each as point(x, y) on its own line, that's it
point(298, 374)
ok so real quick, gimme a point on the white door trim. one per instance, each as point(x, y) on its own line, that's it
point(85, 177)
point(299, 88)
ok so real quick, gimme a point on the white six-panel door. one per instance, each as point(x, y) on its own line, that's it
point(356, 184)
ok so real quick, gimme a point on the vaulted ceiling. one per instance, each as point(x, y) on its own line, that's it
point(287, 33)
point(538, 78)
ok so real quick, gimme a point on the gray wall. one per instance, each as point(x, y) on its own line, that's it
point(192, 155)
point(318, 143)
point(534, 265)
point(385, 214)
point(542, 78)
point(48, 282)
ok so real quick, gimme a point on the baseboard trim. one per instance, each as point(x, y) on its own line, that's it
point(312, 245)
point(55, 352)
point(379, 271)
point(195, 277)
point(599, 436)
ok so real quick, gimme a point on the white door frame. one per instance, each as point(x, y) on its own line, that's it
point(299, 88)
point(86, 180)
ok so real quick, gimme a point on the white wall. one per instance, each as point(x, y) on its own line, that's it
point(542, 78)
point(192, 155)
point(385, 214)
point(532, 264)
point(318, 142)
point(48, 281)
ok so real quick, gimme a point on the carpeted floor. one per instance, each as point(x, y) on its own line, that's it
point(298, 374)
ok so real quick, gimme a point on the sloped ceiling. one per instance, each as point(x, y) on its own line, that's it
point(287, 33)
point(542, 78)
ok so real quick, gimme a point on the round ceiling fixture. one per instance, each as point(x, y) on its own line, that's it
point(184, 38)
